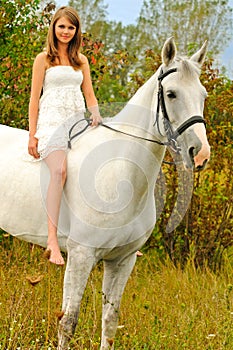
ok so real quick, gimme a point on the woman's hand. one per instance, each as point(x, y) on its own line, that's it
point(96, 120)
point(32, 146)
point(95, 115)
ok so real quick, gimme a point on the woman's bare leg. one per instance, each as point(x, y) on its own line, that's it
point(56, 162)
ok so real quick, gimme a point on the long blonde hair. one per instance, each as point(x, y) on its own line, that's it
point(75, 43)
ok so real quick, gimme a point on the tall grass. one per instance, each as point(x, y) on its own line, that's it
point(163, 307)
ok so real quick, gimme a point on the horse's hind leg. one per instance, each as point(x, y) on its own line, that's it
point(81, 261)
point(116, 274)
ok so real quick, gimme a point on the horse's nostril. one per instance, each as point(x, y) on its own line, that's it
point(191, 152)
point(201, 167)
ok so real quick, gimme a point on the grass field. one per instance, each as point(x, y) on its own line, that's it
point(163, 307)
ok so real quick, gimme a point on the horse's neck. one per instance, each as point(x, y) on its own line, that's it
point(145, 95)
point(139, 111)
point(137, 118)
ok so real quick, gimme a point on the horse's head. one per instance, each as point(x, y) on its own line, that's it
point(181, 99)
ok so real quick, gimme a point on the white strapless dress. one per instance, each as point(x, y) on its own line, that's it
point(61, 105)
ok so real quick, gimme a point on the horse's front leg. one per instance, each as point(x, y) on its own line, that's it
point(116, 274)
point(81, 261)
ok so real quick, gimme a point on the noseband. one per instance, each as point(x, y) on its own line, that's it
point(170, 134)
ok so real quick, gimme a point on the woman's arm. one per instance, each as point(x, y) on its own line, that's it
point(38, 73)
point(88, 91)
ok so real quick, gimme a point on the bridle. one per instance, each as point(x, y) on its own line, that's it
point(170, 134)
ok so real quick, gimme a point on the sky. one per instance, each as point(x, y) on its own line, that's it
point(127, 11)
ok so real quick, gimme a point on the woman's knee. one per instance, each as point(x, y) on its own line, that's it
point(57, 166)
point(59, 173)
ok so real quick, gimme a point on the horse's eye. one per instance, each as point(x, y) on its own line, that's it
point(171, 94)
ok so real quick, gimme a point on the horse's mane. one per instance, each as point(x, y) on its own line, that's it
point(188, 69)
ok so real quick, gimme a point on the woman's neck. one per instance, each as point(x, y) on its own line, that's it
point(63, 55)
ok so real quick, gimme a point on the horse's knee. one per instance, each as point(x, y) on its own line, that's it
point(110, 320)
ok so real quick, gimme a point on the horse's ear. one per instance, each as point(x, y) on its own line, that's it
point(168, 51)
point(199, 56)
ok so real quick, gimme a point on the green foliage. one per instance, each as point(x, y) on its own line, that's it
point(211, 226)
point(22, 37)
point(109, 73)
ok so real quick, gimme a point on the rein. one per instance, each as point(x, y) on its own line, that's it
point(135, 136)
point(89, 121)
point(170, 134)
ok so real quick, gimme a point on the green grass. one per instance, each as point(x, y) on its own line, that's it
point(163, 307)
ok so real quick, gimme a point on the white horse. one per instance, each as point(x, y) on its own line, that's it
point(108, 208)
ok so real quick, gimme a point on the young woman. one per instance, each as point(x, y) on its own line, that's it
point(59, 74)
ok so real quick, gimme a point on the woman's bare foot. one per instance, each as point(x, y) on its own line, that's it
point(53, 254)
point(139, 254)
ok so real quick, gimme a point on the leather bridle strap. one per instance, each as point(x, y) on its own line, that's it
point(172, 135)
point(193, 120)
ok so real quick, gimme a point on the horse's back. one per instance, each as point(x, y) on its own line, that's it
point(10, 137)
point(13, 148)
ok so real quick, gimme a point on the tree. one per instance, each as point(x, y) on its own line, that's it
point(188, 21)
point(91, 13)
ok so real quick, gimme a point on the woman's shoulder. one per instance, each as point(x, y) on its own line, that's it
point(83, 58)
point(41, 60)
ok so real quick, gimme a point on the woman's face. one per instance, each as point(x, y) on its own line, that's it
point(64, 30)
